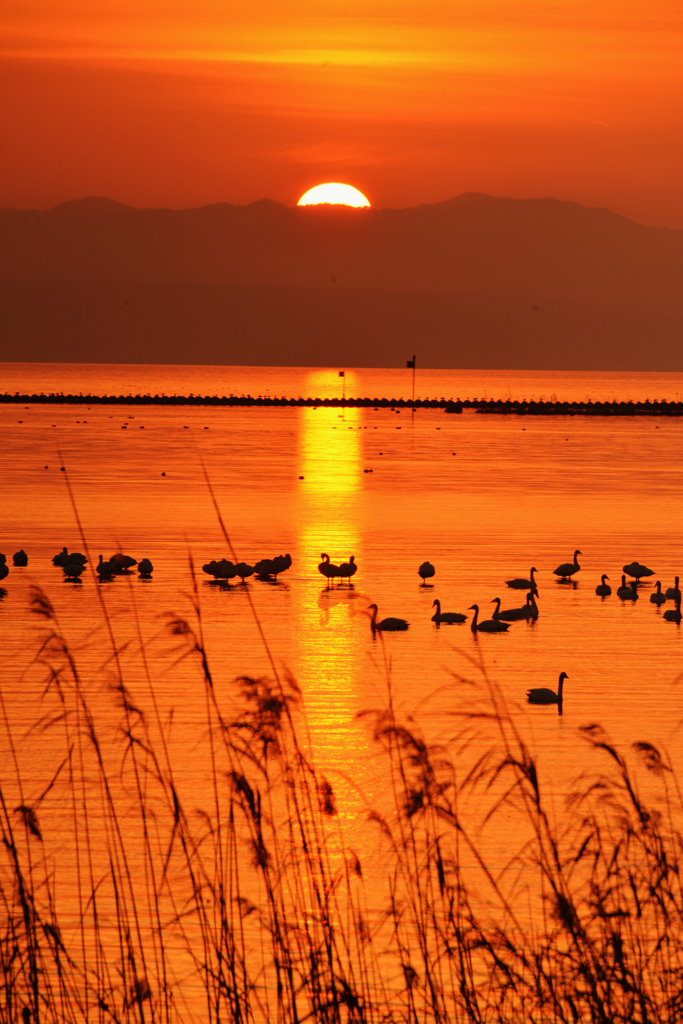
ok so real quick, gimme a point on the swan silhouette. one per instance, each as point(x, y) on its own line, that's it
point(20, 558)
point(4, 571)
point(348, 569)
point(628, 591)
point(327, 568)
point(73, 571)
point(488, 625)
point(674, 614)
point(527, 611)
point(105, 570)
point(658, 597)
point(426, 571)
point(673, 592)
point(542, 695)
point(568, 569)
point(244, 570)
point(521, 584)
point(389, 625)
point(638, 570)
point(603, 589)
point(449, 618)
point(145, 567)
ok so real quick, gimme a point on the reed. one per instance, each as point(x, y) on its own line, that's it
point(121, 900)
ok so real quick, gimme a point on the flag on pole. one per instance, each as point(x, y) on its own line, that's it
point(342, 373)
point(410, 365)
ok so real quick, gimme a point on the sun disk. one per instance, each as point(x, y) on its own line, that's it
point(333, 192)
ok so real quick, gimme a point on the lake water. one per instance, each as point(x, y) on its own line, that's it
point(483, 498)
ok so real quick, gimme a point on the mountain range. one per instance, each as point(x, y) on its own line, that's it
point(471, 282)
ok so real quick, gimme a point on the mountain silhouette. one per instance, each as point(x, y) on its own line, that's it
point(471, 282)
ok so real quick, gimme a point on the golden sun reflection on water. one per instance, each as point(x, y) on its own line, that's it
point(331, 635)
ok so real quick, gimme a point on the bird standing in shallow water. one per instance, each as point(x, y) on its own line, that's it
point(389, 625)
point(568, 569)
point(658, 597)
point(603, 589)
point(426, 571)
point(327, 569)
point(542, 695)
point(348, 569)
point(673, 592)
point(674, 614)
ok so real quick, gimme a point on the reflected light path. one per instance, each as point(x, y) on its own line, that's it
point(331, 636)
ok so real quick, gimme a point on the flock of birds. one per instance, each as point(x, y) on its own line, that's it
point(73, 565)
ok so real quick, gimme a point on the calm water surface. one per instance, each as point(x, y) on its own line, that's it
point(482, 497)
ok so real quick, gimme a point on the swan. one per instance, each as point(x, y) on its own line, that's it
point(674, 614)
point(488, 625)
point(426, 571)
point(389, 625)
point(527, 611)
point(658, 597)
point(568, 569)
point(327, 568)
point(73, 571)
point(145, 567)
point(123, 563)
point(542, 695)
point(20, 558)
point(244, 570)
point(638, 570)
point(104, 569)
point(280, 564)
point(448, 618)
point(603, 589)
point(348, 569)
point(61, 558)
point(627, 591)
point(4, 571)
point(673, 592)
point(520, 584)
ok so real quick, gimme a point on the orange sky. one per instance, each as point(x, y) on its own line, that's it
point(179, 103)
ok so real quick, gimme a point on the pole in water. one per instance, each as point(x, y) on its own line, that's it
point(410, 365)
point(342, 373)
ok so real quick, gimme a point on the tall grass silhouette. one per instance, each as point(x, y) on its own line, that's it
point(123, 898)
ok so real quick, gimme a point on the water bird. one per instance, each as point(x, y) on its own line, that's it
point(522, 584)
point(64, 558)
point(4, 571)
point(390, 625)
point(72, 572)
point(449, 618)
point(20, 558)
point(327, 568)
point(105, 570)
point(348, 569)
point(674, 614)
point(527, 611)
point(121, 562)
point(244, 570)
point(658, 597)
point(426, 571)
point(568, 569)
point(603, 589)
point(674, 592)
point(272, 567)
point(488, 625)
point(543, 695)
point(628, 591)
point(638, 570)
point(145, 567)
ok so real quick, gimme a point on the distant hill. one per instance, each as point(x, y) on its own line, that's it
point(472, 282)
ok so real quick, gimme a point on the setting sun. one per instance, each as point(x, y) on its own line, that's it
point(333, 192)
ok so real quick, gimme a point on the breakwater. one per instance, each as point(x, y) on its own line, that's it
point(498, 407)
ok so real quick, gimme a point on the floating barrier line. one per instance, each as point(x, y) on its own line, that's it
point(449, 405)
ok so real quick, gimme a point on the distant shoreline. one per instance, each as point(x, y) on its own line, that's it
point(450, 405)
